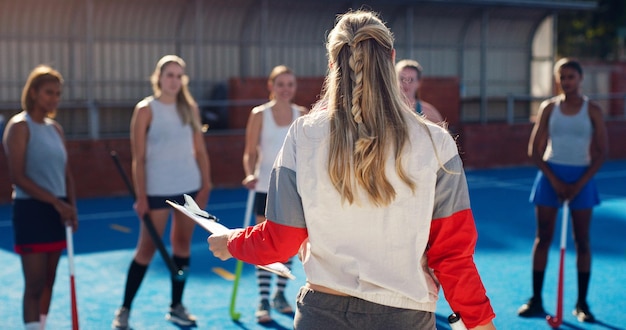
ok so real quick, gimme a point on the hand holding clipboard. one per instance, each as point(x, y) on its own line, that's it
point(210, 224)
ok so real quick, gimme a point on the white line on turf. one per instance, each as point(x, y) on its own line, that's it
point(131, 213)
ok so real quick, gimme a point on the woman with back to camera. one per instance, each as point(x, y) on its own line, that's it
point(569, 144)
point(380, 194)
point(44, 200)
point(169, 160)
point(266, 129)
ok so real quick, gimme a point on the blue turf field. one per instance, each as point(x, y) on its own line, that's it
point(505, 220)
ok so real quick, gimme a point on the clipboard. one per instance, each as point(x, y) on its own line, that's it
point(210, 224)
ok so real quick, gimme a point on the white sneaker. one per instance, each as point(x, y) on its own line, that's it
point(179, 315)
point(120, 322)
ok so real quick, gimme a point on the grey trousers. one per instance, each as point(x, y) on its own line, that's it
point(316, 311)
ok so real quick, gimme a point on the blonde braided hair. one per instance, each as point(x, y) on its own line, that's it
point(366, 108)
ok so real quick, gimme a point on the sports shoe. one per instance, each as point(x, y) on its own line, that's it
point(534, 307)
point(179, 315)
point(280, 303)
point(263, 312)
point(120, 322)
point(582, 313)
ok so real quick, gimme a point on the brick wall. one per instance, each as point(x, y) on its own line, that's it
point(96, 175)
point(500, 144)
point(618, 85)
point(309, 89)
point(494, 144)
point(481, 145)
point(443, 93)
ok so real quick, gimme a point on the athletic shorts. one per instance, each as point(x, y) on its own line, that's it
point(260, 200)
point(37, 227)
point(317, 310)
point(543, 193)
point(158, 202)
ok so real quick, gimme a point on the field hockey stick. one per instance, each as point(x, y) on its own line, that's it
point(456, 323)
point(234, 315)
point(557, 320)
point(177, 274)
point(70, 262)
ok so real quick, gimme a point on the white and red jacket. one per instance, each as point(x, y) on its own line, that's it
point(395, 255)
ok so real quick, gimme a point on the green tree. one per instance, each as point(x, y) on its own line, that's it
point(592, 34)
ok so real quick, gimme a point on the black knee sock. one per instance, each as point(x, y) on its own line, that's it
point(538, 283)
point(583, 285)
point(178, 286)
point(136, 273)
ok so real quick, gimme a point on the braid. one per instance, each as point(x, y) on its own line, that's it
point(367, 147)
point(356, 76)
point(367, 121)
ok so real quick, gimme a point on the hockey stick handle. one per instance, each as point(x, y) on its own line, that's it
point(557, 320)
point(564, 220)
point(176, 273)
point(234, 315)
point(456, 323)
point(249, 207)
point(70, 261)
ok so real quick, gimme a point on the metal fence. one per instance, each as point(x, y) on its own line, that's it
point(106, 49)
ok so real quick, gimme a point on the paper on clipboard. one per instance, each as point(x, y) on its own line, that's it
point(214, 227)
point(211, 226)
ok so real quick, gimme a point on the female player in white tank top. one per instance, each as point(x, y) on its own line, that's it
point(266, 129)
point(569, 144)
point(166, 137)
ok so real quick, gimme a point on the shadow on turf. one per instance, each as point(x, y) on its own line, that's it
point(608, 326)
point(268, 325)
point(186, 327)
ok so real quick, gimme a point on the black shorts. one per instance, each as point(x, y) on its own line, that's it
point(260, 199)
point(37, 227)
point(158, 202)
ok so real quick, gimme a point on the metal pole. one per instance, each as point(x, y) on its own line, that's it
point(199, 82)
point(92, 111)
point(264, 32)
point(409, 32)
point(484, 34)
point(510, 109)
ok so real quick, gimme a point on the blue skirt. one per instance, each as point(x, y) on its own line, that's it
point(543, 194)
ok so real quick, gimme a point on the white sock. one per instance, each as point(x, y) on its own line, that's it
point(42, 320)
point(31, 326)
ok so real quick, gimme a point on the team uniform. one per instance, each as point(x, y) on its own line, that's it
point(431, 241)
point(37, 226)
point(271, 140)
point(567, 154)
point(171, 166)
point(171, 170)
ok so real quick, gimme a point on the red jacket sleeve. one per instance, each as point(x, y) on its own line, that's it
point(266, 243)
point(450, 255)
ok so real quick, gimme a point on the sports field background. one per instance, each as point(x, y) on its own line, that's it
point(108, 230)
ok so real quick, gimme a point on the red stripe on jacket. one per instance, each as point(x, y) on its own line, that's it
point(266, 243)
point(450, 255)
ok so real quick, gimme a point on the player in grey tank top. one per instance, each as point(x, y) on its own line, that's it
point(569, 144)
point(169, 160)
point(43, 191)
